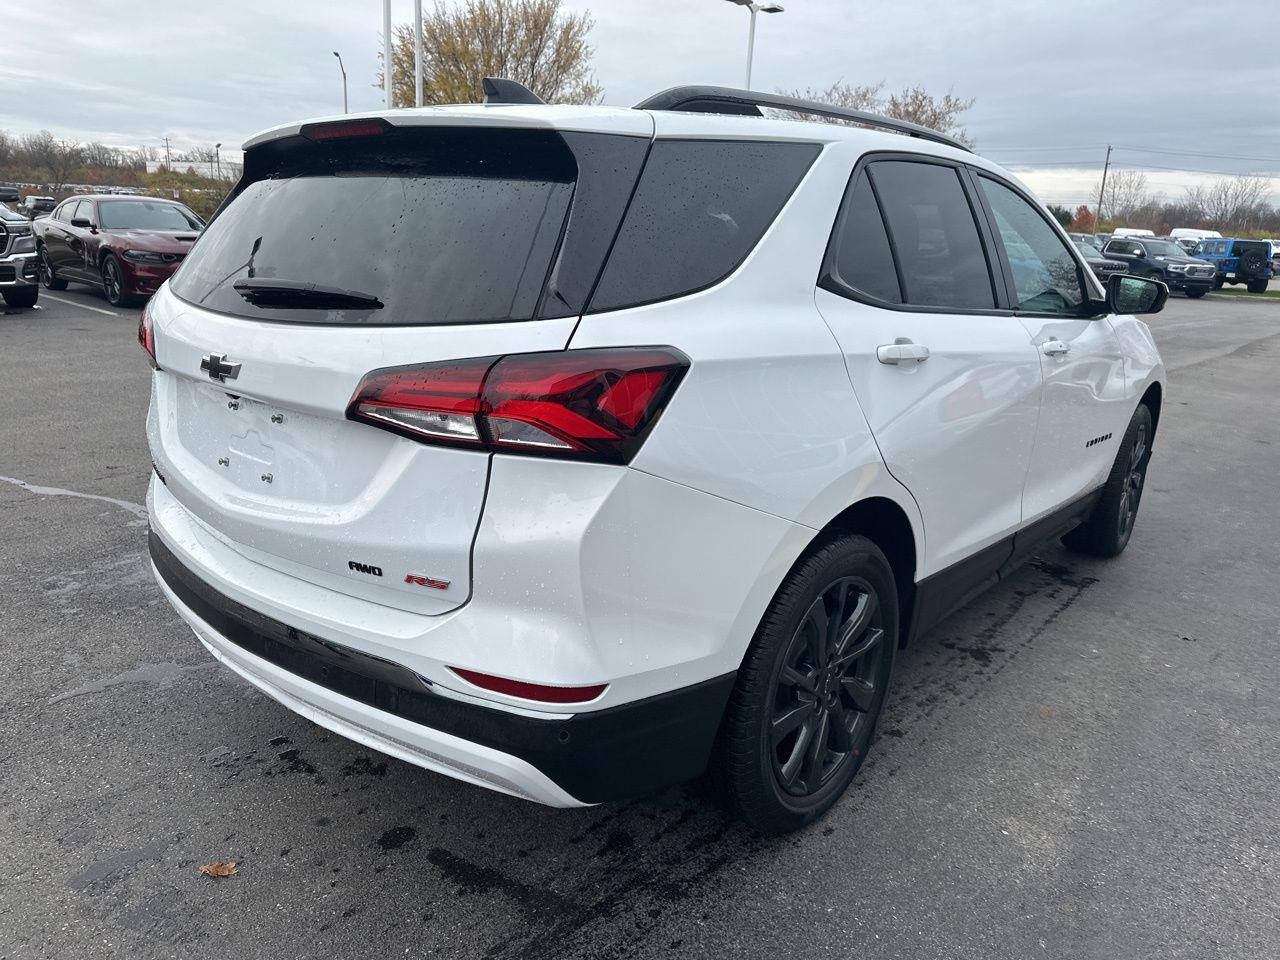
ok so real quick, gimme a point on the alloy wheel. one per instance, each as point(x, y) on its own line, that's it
point(111, 281)
point(44, 267)
point(1131, 494)
point(827, 688)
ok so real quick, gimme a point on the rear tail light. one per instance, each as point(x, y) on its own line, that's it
point(577, 404)
point(542, 692)
point(146, 338)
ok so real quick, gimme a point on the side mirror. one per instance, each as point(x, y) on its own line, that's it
point(82, 222)
point(1129, 294)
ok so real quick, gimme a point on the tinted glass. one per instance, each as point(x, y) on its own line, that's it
point(1164, 248)
point(863, 259)
point(934, 235)
point(699, 209)
point(68, 210)
point(1046, 276)
point(440, 226)
point(145, 215)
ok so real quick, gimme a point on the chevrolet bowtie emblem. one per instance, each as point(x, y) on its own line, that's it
point(218, 368)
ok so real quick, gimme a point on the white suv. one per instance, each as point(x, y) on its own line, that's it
point(570, 451)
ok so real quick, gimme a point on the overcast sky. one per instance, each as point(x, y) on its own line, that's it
point(1054, 80)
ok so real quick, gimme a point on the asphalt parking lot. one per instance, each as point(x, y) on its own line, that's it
point(1081, 764)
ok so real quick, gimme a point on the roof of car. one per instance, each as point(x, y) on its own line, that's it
point(117, 196)
point(681, 124)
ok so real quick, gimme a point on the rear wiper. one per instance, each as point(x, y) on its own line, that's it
point(266, 292)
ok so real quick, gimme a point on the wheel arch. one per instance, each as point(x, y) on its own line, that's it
point(886, 524)
point(1153, 398)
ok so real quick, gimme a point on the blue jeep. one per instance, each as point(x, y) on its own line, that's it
point(1239, 261)
point(1162, 259)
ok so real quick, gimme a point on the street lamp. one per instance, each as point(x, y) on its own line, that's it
point(217, 160)
point(751, 36)
point(344, 80)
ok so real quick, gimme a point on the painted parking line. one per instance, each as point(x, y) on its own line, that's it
point(82, 306)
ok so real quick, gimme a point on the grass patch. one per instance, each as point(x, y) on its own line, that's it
point(1272, 294)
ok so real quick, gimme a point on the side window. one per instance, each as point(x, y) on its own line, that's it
point(73, 210)
point(933, 234)
point(862, 258)
point(701, 206)
point(1045, 274)
point(63, 213)
point(1139, 250)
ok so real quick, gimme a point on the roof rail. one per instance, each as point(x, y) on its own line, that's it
point(502, 90)
point(701, 99)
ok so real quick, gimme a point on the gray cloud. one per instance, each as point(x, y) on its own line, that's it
point(1054, 81)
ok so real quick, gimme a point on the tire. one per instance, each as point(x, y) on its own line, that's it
point(1196, 294)
point(113, 282)
point(1217, 284)
point(21, 296)
point(1258, 286)
point(1251, 263)
point(50, 279)
point(823, 698)
point(1155, 275)
point(1106, 533)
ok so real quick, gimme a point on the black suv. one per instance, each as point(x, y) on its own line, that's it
point(1239, 261)
point(1161, 259)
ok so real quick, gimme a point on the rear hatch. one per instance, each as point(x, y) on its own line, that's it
point(353, 247)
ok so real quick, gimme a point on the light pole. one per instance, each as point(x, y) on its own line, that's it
point(217, 160)
point(344, 80)
point(417, 53)
point(386, 49)
point(751, 36)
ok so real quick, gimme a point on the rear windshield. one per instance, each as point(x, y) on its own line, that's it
point(701, 206)
point(433, 225)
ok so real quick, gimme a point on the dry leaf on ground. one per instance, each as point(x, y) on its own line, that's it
point(218, 869)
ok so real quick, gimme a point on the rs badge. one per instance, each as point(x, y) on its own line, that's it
point(426, 581)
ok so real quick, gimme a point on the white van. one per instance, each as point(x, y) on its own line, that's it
point(1132, 232)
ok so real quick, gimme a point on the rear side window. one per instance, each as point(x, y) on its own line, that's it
point(863, 259)
point(416, 226)
point(701, 206)
point(931, 226)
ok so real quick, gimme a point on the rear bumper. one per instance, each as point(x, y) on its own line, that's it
point(18, 270)
point(568, 761)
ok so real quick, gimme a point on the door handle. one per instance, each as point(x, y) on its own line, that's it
point(1055, 348)
point(902, 349)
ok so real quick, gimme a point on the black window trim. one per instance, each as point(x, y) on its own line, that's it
point(829, 280)
point(1087, 305)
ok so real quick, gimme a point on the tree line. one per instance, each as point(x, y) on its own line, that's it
point(41, 158)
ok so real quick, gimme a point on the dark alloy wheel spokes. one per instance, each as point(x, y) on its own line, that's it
point(111, 280)
point(826, 687)
point(44, 267)
point(1132, 492)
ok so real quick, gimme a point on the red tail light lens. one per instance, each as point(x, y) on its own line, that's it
point(543, 693)
point(578, 404)
point(345, 129)
point(145, 336)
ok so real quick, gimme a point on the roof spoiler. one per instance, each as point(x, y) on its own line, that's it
point(704, 99)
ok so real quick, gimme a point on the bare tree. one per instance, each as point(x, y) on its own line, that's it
point(1126, 194)
point(917, 105)
point(65, 160)
point(914, 104)
point(1238, 203)
point(100, 155)
point(867, 97)
point(534, 42)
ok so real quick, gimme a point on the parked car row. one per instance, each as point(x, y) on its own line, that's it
point(1194, 261)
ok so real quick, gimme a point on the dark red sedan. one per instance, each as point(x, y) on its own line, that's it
point(126, 245)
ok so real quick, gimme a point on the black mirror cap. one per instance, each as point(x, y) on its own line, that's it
point(1135, 295)
point(81, 222)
